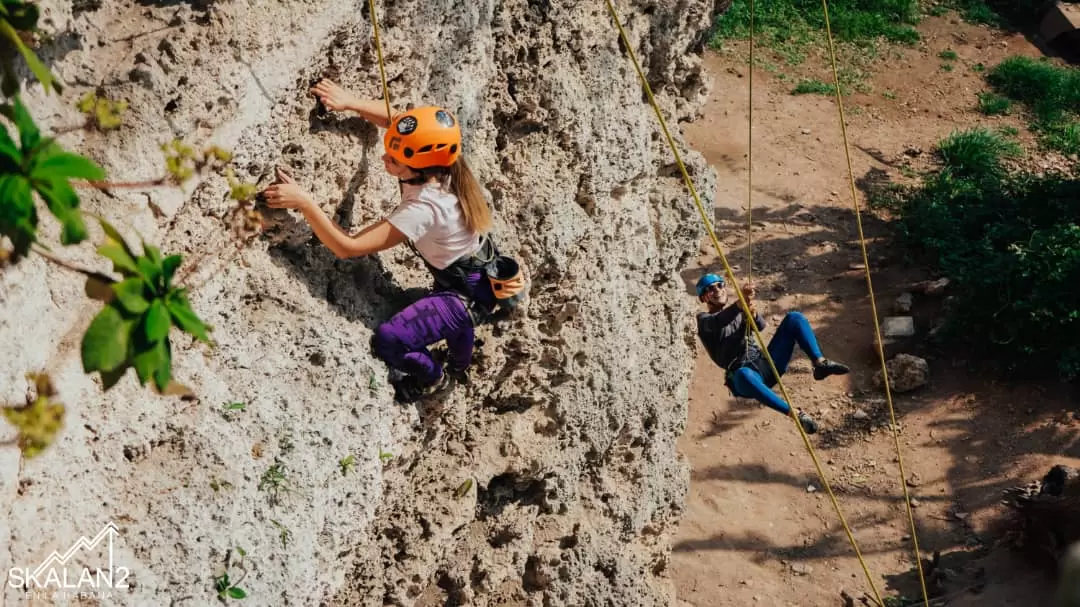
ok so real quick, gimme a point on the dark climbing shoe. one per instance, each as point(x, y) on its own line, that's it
point(808, 425)
point(829, 367)
point(459, 376)
point(409, 389)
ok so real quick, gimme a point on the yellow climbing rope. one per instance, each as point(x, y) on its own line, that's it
point(873, 303)
point(750, 168)
point(378, 53)
point(742, 300)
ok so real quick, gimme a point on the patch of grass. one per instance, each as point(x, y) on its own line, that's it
point(1005, 14)
point(792, 24)
point(814, 87)
point(1064, 137)
point(946, 67)
point(976, 152)
point(1051, 92)
point(993, 104)
point(947, 55)
point(978, 67)
point(889, 95)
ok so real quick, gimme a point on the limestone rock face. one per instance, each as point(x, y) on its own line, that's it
point(552, 478)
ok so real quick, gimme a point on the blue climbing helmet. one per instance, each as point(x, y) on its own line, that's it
point(707, 281)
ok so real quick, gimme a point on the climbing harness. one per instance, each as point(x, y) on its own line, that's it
point(742, 300)
point(503, 275)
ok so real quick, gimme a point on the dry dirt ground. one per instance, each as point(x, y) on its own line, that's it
point(758, 529)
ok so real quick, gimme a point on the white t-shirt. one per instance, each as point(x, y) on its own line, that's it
point(432, 219)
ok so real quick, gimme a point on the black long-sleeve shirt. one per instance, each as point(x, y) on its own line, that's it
point(723, 334)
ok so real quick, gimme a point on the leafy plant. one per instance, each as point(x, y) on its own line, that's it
point(948, 55)
point(275, 482)
point(38, 165)
point(347, 464)
point(39, 421)
point(224, 586)
point(385, 457)
point(283, 533)
point(16, 17)
point(235, 406)
point(102, 112)
point(182, 161)
point(132, 330)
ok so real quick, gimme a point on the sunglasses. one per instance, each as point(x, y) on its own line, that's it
point(716, 286)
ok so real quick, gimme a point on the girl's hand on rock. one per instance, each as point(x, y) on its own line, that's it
point(286, 194)
point(333, 96)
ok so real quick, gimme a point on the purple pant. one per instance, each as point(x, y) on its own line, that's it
point(402, 342)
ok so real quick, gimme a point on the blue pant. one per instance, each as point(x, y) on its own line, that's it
point(748, 382)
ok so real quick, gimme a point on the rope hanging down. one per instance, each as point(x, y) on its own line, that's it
point(378, 53)
point(750, 168)
point(873, 303)
point(742, 300)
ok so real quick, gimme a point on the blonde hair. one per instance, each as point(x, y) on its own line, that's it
point(466, 188)
point(470, 196)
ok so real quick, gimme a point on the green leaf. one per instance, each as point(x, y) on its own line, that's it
point(18, 215)
point(36, 66)
point(146, 363)
point(111, 378)
point(9, 152)
point(132, 295)
point(237, 593)
point(163, 375)
point(29, 135)
point(67, 165)
point(122, 261)
point(149, 270)
point(105, 344)
point(152, 252)
point(185, 318)
point(114, 235)
point(156, 322)
point(169, 266)
point(64, 204)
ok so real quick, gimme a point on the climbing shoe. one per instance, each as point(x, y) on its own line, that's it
point(829, 367)
point(808, 425)
point(410, 389)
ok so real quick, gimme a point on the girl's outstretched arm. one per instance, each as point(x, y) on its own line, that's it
point(338, 99)
point(286, 194)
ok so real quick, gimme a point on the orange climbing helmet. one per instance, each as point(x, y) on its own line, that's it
point(424, 137)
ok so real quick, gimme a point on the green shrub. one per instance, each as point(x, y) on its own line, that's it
point(1011, 245)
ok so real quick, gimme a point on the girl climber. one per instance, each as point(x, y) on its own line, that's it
point(443, 216)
